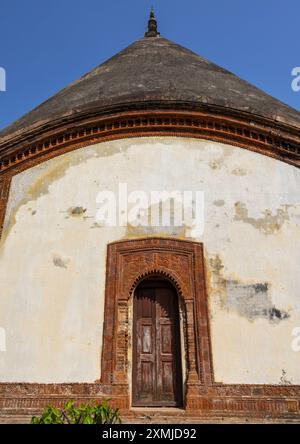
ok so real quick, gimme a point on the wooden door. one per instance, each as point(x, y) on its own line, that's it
point(157, 375)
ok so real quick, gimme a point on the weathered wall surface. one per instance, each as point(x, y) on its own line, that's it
point(53, 253)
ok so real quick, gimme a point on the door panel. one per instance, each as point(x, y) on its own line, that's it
point(157, 379)
point(147, 345)
point(146, 380)
point(144, 337)
point(167, 379)
point(166, 335)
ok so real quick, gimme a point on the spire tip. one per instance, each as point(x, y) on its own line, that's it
point(152, 25)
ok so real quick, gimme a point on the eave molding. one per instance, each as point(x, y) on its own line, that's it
point(272, 140)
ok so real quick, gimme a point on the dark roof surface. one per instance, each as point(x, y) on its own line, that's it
point(154, 69)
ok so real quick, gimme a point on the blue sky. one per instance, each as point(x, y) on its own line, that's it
point(46, 44)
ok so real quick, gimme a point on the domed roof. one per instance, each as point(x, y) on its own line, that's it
point(155, 71)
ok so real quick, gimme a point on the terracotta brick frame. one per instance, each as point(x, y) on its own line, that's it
point(181, 262)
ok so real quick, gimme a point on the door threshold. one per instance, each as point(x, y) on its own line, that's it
point(158, 409)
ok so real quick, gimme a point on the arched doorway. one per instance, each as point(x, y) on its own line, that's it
point(157, 366)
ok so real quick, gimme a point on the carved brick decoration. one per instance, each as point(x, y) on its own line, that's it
point(273, 140)
point(181, 262)
point(5, 181)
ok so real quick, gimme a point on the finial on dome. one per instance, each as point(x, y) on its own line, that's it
point(152, 25)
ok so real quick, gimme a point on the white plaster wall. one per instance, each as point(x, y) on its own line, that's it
point(52, 262)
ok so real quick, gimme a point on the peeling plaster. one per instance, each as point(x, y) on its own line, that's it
point(2, 339)
point(284, 380)
point(142, 231)
point(251, 301)
point(268, 224)
point(76, 211)
point(219, 162)
point(216, 164)
point(219, 203)
point(239, 172)
point(60, 262)
point(142, 227)
point(39, 179)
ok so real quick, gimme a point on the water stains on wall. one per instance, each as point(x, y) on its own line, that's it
point(250, 300)
point(76, 211)
point(60, 262)
point(219, 203)
point(268, 224)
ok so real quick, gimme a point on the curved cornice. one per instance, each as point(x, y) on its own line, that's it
point(247, 131)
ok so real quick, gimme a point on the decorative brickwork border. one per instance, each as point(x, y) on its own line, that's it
point(273, 140)
point(217, 401)
point(5, 181)
point(181, 262)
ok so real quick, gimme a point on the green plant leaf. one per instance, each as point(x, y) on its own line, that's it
point(95, 413)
